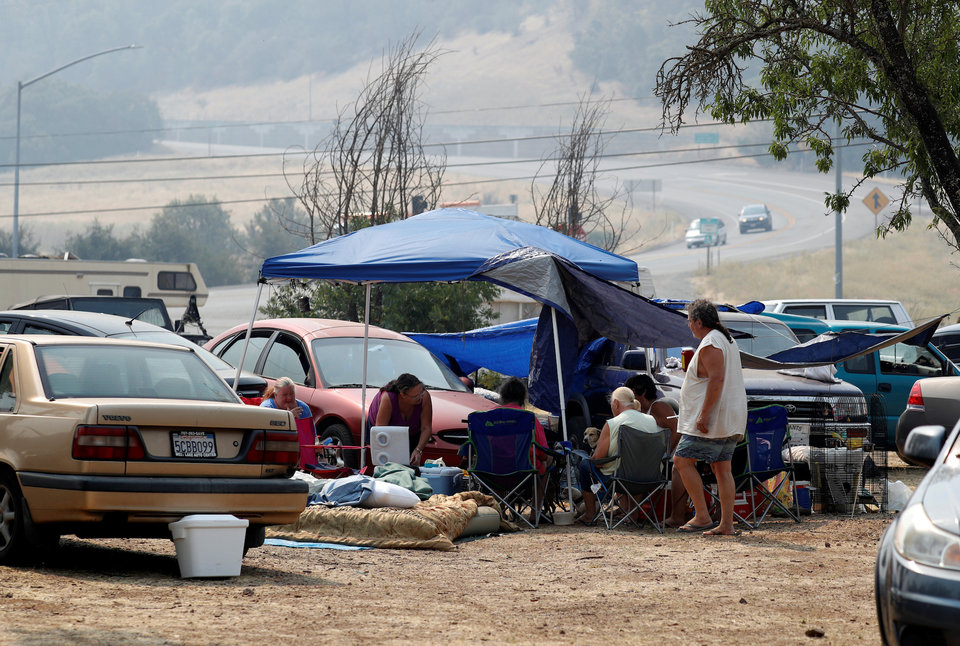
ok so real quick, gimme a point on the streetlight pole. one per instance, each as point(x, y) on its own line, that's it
point(15, 250)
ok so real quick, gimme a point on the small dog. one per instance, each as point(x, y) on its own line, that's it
point(591, 436)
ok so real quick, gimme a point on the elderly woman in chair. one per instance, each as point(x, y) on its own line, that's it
point(625, 413)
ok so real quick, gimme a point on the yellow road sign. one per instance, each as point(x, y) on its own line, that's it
point(876, 200)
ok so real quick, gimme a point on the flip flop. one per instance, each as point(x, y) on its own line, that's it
point(690, 529)
point(714, 532)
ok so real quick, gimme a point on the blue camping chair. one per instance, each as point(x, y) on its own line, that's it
point(758, 458)
point(766, 437)
point(499, 450)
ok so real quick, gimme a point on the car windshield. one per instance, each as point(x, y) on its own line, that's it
point(172, 338)
point(128, 371)
point(340, 361)
point(756, 209)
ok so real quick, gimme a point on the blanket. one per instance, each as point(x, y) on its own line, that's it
point(431, 524)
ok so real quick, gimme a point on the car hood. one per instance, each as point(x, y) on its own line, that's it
point(939, 494)
point(768, 381)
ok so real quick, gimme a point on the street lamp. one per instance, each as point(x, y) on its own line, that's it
point(15, 251)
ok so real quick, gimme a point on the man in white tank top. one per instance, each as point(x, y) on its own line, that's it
point(713, 417)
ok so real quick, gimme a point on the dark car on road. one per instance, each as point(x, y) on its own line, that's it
point(79, 323)
point(917, 576)
point(755, 216)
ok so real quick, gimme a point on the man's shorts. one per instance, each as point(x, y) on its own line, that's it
point(708, 449)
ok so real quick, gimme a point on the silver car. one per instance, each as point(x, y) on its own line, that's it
point(695, 237)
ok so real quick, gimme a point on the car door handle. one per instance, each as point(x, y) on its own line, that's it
point(884, 387)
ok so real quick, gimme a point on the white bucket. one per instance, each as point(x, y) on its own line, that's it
point(563, 518)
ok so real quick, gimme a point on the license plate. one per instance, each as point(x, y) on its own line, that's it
point(799, 434)
point(194, 444)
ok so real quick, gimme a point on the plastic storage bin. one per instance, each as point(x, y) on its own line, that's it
point(443, 480)
point(209, 545)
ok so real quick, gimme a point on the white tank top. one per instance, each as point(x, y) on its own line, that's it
point(729, 414)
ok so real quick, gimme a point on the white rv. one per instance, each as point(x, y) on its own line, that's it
point(25, 279)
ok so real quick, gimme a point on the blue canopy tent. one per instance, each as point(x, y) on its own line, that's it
point(449, 245)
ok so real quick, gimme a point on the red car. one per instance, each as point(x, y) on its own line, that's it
point(325, 359)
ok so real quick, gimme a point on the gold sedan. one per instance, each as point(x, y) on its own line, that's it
point(109, 438)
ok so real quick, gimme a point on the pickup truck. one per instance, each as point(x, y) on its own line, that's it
point(815, 409)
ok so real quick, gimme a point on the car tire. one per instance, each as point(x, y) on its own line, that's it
point(254, 537)
point(12, 529)
point(340, 434)
point(743, 229)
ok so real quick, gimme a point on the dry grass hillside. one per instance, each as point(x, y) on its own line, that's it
point(525, 72)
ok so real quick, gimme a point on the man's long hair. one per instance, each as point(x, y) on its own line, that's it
point(706, 313)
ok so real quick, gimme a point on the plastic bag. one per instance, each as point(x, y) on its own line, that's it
point(898, 494)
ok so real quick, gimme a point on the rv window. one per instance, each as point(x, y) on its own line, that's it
point(178, 280)
point(131, 291)
point(104, 291)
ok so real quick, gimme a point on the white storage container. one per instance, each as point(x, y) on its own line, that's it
point(390, 444)
point(209, 544)
point(442, 479)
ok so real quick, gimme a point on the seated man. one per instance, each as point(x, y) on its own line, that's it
point(625, 413)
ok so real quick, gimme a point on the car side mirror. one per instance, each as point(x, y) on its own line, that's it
point(924, 443)
point(634, 360)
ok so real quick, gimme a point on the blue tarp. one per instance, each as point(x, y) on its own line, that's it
point(441, 245)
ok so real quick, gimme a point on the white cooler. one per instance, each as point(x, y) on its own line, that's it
point(209, 544)
point(390, 444)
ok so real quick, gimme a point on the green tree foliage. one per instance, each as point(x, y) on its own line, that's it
point(64, 122)
point(881, 71)
point(26, 242)
point(99, 243)
point(195, 230)
point(619, 41)
point(274, 230)
point(406, 307)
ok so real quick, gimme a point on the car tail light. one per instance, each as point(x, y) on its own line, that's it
point(107, 443)
point(275, 447)
point(915, 400)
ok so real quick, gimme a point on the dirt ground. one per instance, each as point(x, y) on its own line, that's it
point(785, 583)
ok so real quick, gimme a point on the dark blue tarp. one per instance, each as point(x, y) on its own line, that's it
point(441, 245)
point(502, 348)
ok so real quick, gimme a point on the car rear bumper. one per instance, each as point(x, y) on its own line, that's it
point(59, 498)
point(916, 602)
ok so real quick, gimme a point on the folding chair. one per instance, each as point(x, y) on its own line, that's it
point(758, 458)
point(640, 476)
point(767, 435)
point(499, 447)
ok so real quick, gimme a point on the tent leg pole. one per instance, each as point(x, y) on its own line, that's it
point(363, 386)
point(246, 339)
point(563, 402)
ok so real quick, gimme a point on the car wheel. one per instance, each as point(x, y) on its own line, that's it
point(340, 434)
point(12, 532)
point(254, 537)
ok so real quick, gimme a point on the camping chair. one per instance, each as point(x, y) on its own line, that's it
point(757, 459)
point(499, 447)
point(640, 477)
point(767, 435)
